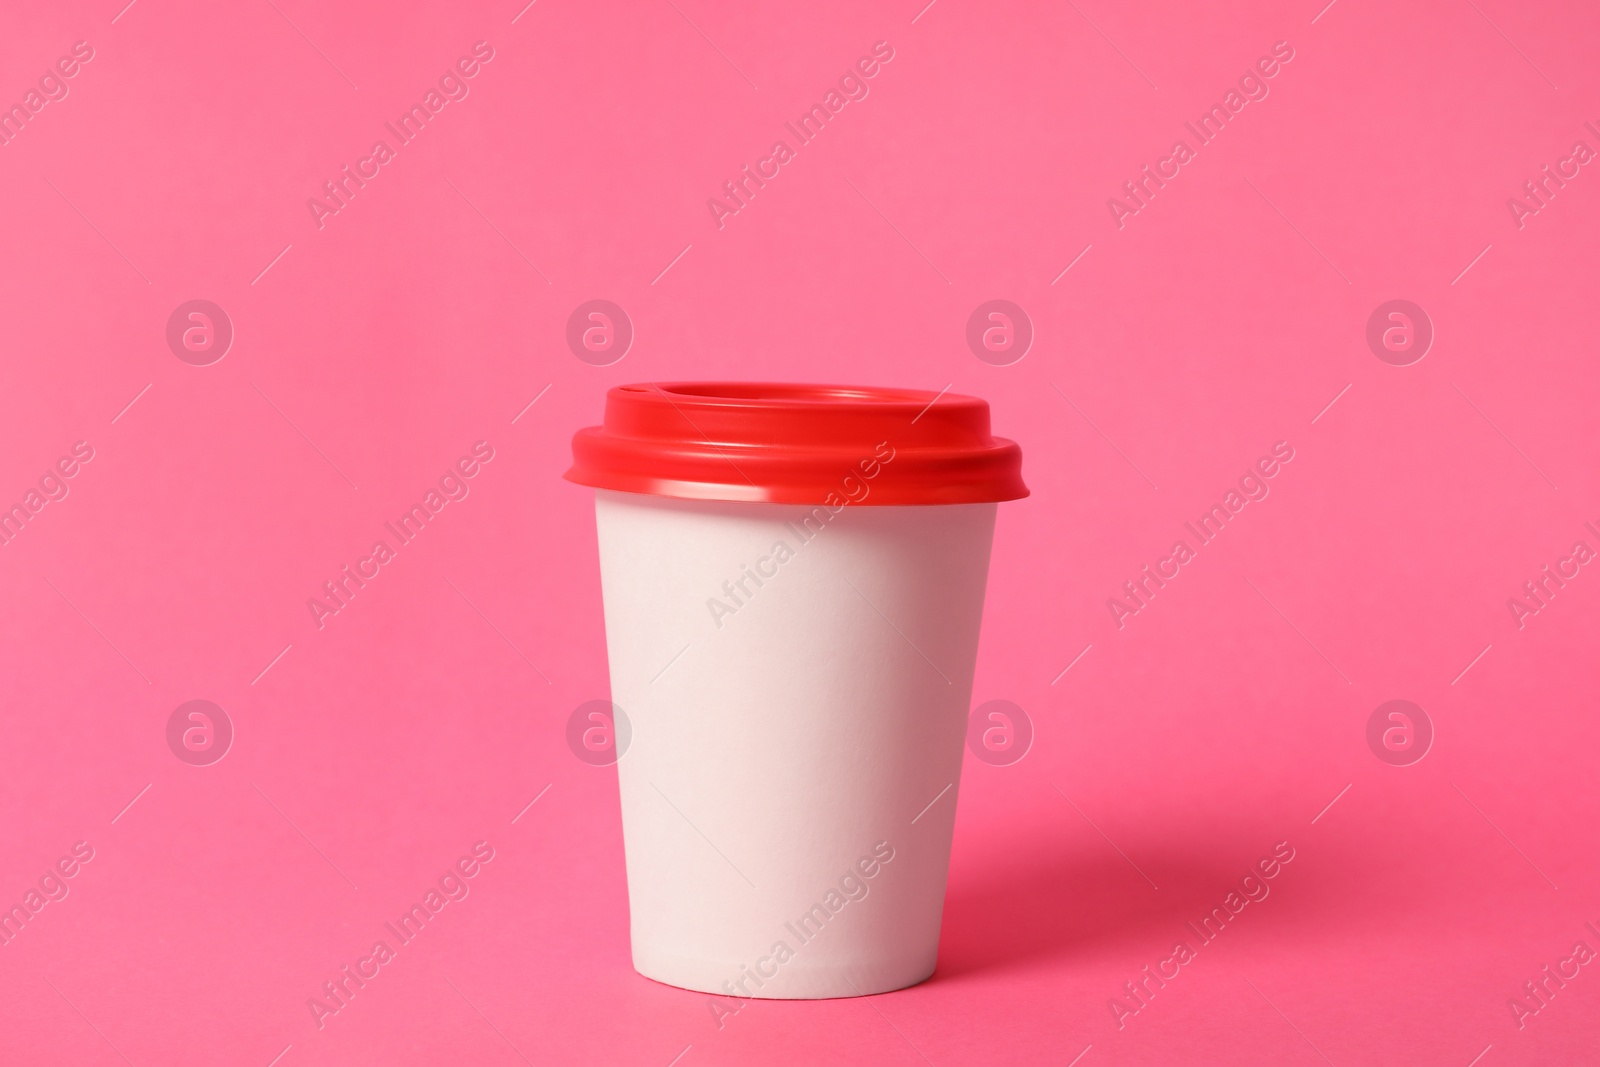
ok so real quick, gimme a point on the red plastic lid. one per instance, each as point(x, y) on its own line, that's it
point(797, 444)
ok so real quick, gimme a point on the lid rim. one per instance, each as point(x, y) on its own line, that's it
point(797, 443)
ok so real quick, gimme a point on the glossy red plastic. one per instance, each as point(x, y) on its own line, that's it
point(797, 444)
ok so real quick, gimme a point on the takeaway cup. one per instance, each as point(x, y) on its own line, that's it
point(793, 580)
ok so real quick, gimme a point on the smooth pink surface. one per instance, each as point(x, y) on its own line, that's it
point(1221, 318)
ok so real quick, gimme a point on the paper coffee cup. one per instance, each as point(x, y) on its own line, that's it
point(793, 581)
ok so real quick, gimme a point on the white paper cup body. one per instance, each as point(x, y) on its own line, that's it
point(797, 681)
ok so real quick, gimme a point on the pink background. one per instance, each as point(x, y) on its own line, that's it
point(428, 313)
